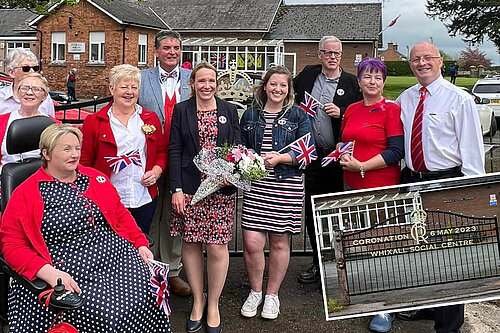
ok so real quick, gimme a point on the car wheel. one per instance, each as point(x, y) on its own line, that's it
point(494, 125)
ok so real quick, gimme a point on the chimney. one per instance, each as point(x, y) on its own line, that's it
point(395, 47)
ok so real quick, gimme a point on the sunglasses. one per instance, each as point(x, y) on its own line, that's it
point(27, 68)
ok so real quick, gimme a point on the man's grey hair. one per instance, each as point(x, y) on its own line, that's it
point(166, 34)
point(16, 56)
point(328, 39)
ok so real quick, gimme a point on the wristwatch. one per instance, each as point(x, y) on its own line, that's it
point(178, 189)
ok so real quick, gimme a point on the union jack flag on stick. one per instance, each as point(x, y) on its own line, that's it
point(304, 150)
point(310, 105)
point(159, 284)
point(346, 148)
point(118, 163)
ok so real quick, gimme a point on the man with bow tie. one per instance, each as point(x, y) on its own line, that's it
point(161, 88)
point(335, 89)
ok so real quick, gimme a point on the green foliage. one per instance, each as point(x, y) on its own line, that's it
point(36, 6)
point(398, 68)
point(475, 19)
point(334, 305)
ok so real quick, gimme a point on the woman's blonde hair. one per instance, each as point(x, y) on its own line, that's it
point(38, 76)
point(196, 68)
point(260, 95)
point(51, 134)
point(124, 72)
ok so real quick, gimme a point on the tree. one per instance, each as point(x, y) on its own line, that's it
point(473, 57)
point(36, 6)
point(475, 19)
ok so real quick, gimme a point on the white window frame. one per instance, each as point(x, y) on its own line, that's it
point(58, 40)
point(142, 56)
point(97, 38)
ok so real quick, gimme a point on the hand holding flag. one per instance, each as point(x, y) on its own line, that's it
point(304, 150)
point(159, 284)
point(346, 148)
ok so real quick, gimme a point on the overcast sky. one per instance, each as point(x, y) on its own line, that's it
point(414, 26)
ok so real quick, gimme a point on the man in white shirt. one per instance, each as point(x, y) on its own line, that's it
point(21, 62)
point(443, 139)
point(161, 88)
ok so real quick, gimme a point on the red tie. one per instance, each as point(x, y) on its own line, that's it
point(417, 153)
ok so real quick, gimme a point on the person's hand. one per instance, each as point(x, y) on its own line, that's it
point(178, 203)
point(271, 159)
point(50, 275)
point(349, 163)
point(332, 110)
point(345, 158)
point(145, 253)
point(149, 178)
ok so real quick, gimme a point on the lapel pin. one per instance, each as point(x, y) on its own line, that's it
point(281, 121)
point(100, 179)
point(222, 119)
point(340, 92)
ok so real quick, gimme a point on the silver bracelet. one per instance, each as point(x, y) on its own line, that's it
point(361, 171)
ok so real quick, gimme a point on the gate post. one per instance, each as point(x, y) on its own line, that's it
point(341, 269)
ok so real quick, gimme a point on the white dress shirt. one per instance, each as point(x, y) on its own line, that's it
point(6, 158)
point(9, 103)
point(171, 86)
point(128, 181)
point(451, 131)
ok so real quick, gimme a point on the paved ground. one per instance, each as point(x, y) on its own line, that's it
point(302, 309)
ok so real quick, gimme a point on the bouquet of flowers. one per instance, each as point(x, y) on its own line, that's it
point(238, 165)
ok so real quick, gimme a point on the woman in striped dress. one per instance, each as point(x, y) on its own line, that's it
point(273, 207)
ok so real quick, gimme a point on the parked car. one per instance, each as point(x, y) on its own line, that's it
point(59, 96)
point(486, 113)
point(489, 87)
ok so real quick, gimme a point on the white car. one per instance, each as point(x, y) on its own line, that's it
point(486, 114)
point(489, 87)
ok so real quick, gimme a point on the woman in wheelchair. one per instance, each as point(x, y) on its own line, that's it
point(66, 221)
point(33, 89)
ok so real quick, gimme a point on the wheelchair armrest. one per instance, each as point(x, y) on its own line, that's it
point(150, 240)
point(36, 286)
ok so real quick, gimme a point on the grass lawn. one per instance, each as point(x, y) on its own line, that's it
point(394, 85)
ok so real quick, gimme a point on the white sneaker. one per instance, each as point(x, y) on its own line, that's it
point(271, 307)
point(249, 308)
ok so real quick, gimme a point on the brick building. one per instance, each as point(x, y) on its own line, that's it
point(391, 53)
point(96, 35)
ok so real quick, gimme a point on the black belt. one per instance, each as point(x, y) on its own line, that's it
point(428, 174)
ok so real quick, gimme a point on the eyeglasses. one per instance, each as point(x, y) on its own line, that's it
point(426, 58)
point(35, 89)
point(328, 54)
point(27, 68)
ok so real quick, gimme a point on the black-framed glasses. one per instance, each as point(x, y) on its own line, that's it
point(426, 58)
point(35, 89)
point(336, 54)
point(27, 68)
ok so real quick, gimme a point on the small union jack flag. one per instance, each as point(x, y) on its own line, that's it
point(304, 150)
point(346, 148)
point(118, 163)
point(159, 284)
point(310, 105)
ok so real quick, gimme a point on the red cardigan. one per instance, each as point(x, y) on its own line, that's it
point(21, 240)
point(99, 142)
point(4, 120)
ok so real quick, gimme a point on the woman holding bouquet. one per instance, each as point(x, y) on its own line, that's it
point(203, 121)
point(273, 207)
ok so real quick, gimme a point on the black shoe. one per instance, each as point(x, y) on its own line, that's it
point(309, 276)
point(211, 329)
point(194, 325)
point(422, 314)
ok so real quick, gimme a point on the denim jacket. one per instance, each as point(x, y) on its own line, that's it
point(288, 126)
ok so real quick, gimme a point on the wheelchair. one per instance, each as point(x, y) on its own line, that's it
point(23, 135)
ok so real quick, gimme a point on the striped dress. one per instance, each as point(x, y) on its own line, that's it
point(272, 205)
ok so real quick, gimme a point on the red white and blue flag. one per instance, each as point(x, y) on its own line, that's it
point(310, 105)
point(304, 150)
point(118, 163)
point(159, 284)
point(346, 148)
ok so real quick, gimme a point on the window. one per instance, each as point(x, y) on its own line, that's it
point(14, 45)
point(143, 49)
point(97, 46)
point(58, 46)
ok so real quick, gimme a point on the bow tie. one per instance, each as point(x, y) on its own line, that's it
point(165, 76)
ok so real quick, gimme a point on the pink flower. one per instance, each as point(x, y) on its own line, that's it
point(230, 157)
point(251, 155)
point(236, 155)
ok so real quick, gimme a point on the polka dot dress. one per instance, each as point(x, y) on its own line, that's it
point(113, 278)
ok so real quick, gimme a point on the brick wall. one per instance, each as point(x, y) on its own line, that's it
point(92, 79)
point(391, 54)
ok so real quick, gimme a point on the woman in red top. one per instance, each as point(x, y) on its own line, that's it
point(126, 143)
point(374, 126)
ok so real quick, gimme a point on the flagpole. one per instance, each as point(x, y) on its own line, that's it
point(390, 24)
